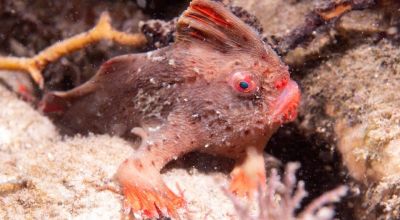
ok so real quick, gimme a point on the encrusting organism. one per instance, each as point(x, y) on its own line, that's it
point(282, 199)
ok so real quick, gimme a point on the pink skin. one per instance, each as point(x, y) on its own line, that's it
point(218, 89)
point(285, 108)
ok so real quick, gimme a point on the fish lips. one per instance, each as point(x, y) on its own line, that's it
point(285, 107)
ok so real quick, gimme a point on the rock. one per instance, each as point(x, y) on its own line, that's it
point(349, 75)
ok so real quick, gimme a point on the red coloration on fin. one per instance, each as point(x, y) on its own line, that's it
point(152, 203)
point(285, 108)
point(108, 66)
point(211, 14)
point(249, 176)
point(117, 64)
point(222, 30)
point(50, 108)
point(52, 104)
point(145, 192)
point(197, 17)
point(196, 35)
point(243, 185)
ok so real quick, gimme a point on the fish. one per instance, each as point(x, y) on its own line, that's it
point(218, 89)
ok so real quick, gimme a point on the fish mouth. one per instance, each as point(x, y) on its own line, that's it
point(286, 105)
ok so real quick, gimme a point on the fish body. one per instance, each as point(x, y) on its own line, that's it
point(218, 89)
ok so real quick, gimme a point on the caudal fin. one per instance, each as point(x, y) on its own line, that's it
point(53, 104)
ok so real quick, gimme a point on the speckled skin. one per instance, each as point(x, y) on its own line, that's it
point(181, 99)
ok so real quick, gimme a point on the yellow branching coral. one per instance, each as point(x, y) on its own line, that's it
point(102, 31)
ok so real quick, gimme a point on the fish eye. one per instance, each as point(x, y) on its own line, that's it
point(243, 83)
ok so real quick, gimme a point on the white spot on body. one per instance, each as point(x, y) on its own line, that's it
point(157, 59)
point(149, 54)
point(171, 62)
point(164, 84)
point(136, 215)
point(152, 129)
point(50, 156)
point(149, 142)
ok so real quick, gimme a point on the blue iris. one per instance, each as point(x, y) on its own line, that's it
point(244, 85)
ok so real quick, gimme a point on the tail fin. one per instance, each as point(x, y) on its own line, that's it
point(58, 102)
point(53, 104)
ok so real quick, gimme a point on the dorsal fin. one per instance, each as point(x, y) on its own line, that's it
point(212, 23)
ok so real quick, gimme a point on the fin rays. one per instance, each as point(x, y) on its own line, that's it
point(209, 12)
point(213, 24)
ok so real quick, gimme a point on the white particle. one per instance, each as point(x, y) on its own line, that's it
point(50, 156)
point(136, 215)
point(197, 70)
point(148, 54)
point(152, 81)
point(149, 142)
point(171, 62)
point(151, 129)
point(159, 59)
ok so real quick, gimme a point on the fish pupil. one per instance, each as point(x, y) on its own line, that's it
point(244, 85)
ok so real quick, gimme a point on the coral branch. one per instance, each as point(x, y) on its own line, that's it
point(282, 199)
point(102, 31)
point(319, 17)
point(328, 197)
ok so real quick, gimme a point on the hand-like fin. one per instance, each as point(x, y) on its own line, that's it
point(212, 23)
